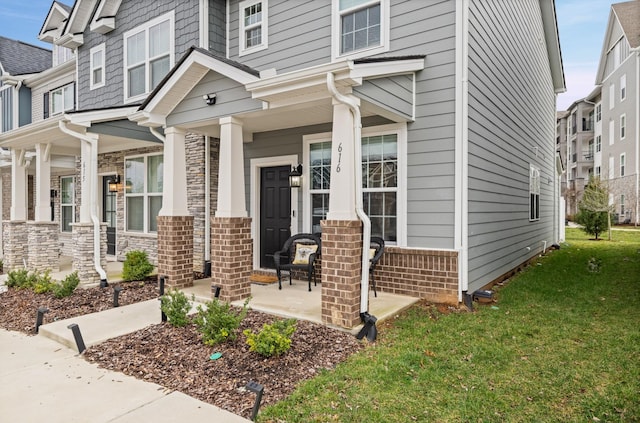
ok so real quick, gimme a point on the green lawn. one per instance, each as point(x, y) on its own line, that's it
point(562, 343)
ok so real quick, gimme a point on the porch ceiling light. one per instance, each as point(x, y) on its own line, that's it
point(113, 183)
point(295, 176)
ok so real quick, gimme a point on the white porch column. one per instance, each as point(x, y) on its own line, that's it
point(231, 197)
point(174, 178)
point(342, 192)
point(86, 171)
point(18, 187)
point(43, 184)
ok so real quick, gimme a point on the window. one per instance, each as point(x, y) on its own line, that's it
point(616, 55)
point(148, 56)
point(67, 203)
point(623, 87)
point(62, 99)
point(622, 204)
point(379, 182)
point(61, 55)
point(598, 112)
point(360, 27)
point(597, 171)
point(622, 164)
point(534, 193)
point(598, 143)
point(623, 126)
point(253, 26)
point(143, 192)
point(96, 66)
point(612, 96)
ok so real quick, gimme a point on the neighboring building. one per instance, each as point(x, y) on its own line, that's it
point(199, 109)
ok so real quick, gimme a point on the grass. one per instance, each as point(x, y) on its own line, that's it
point(562, 343)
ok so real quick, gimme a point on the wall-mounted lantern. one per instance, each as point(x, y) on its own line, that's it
point(295, 177)
point(113, 183)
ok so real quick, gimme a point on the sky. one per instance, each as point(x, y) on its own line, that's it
point(581, 25)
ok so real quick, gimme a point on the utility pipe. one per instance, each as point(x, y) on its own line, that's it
point(93, 188)
point(366, 223)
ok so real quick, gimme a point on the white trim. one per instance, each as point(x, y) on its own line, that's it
point(97, 49)
point(203, 23)
point(170, 17)
point(86, 119)
point(72, 204)
point(254, 198)
point(100, 205)
point(385, 24)
point(144, 194)
point(264, 27)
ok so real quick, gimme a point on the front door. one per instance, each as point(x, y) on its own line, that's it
point(109, 214)
point(275, 212)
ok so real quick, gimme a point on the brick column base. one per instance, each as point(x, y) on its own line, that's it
point(231, 256)
point(175, 250)
point(15, 249)
point(44, 248)
point(83, 257)
point(341, 272)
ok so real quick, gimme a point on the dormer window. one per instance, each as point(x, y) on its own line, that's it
point(360, 27)
point(253, 26)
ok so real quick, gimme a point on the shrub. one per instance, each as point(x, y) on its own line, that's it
point(18, 278)
point(42, 283)
point(136, 266)
point(218, 322)
point(66, 287)
point(274, 339)
point(176, 306)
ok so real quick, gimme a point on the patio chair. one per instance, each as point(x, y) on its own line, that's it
point(300, 252)
point(375, 253)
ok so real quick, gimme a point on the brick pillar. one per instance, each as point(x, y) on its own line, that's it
point(83, 257)
point(231, 256)
point(175, 250)
point(44, 248)
point(15, 244)
point(341, 264)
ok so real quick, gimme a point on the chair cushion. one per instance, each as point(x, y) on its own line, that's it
point(372, 253)
point(303, 251)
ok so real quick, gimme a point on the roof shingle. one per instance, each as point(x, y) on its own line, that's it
point(20, 58)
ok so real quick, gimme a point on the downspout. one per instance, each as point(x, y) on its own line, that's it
point(93, 184)
point(637, 219)
point(207, 200)
point(366, 223)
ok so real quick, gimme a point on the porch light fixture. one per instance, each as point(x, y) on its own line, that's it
point(113, 183)
point(295, 177)
point(210, 99)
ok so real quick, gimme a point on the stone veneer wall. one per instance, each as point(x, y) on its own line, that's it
point(43, 246)
point(83, 256)
point(13, 235)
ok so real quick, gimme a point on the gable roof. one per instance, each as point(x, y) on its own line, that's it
point(552, 41)
point(20, 58)
point(628, 15)
point(54, 22)
point(72, 34)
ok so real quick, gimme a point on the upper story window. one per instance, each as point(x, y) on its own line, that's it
point(61, 55)
point(534, 193)
point(623, 126)
point(59, 100)
point(598, 143)
point(623, 163)
point(143, 192)
point(96, 66)
point(623, 87)
point(598, 112)
point(360, 27)
point(616, 55)
point(148, 56)
point(253, 26)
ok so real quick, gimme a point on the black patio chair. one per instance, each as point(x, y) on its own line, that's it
point(300, 252)
point(376, 251)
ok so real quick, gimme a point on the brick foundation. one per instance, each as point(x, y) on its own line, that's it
point(231, 256)
point(83, 257)
point(15, 249)
point(175, 250)
point(341, 272)
point(44, 246)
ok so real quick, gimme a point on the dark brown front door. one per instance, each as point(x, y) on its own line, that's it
point(109, 214)
point(275, 212)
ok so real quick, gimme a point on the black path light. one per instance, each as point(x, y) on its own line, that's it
point(116, 294)
point(78, 337)
point(163, 316)
point(40, 316)
point(258, 389)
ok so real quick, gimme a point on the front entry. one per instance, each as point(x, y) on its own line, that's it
point(109, 214)
point(275, 212)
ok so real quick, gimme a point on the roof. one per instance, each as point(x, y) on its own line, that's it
point(20, 58)
point(628, 14)
point(64, 6)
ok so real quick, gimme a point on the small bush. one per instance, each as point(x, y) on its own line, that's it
point(18, 278)
point(274, 339)
point(43, 282)
point(66, 287)
point(176, 306)
point(136, 266)
point(218, 322)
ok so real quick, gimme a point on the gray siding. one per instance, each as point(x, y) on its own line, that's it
point(232, 98)
point(394, 94)
point(131, 14)
point(511, 111)
point(218, 27)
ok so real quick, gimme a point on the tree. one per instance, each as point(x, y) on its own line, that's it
point(594, 210)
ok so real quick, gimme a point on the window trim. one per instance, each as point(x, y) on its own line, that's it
point(72, 86)
point(623, 87)
point(145, 195)
point(264, 25)
point(400, 130)
point(623, 126)
point(534, 193)
point(385, 23)
point(169, 16)
point(97, 49)
point(598, 143)
point(623, 164)
point(72, 204)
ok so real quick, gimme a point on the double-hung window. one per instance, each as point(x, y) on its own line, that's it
point(143, 192)
point(623, 87)
point(623, 163)
point(253, 26)
point(598, 112)
point(360, 27)
point(148, 56)
point(598, 143)
point(623, 126)
point(534, 193)
point(622, 204)
point(96, 66)
point(62, 99)
point(67, 203)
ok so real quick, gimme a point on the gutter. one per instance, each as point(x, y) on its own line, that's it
point(93, 187)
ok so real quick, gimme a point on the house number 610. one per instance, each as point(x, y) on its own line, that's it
point(339, 157)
